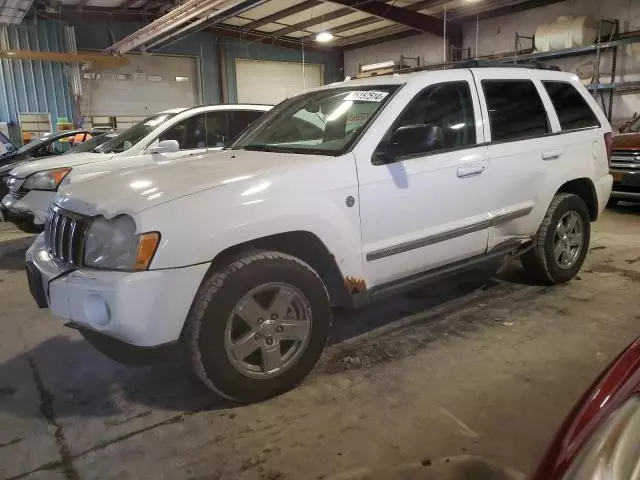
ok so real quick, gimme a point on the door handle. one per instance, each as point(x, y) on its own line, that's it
point(470, 170)
point(551, 155)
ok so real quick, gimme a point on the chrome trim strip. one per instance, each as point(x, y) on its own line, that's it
point(448, 235)
point(507, 217)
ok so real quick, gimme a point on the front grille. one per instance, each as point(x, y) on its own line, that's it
point(625, 160)
point(17, 195)
point(64, 235)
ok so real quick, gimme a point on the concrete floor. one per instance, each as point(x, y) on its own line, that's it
point(480, 367)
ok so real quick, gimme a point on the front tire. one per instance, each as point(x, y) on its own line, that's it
point(258, 326)
point(562, 241)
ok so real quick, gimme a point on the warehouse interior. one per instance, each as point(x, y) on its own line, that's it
point(465, 379)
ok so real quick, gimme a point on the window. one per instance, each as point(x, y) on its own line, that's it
point(572, 109)
point(133, 135)
point(200, 131)
point(439, 118)
point(322, 122)
point(241, 119)
point(515, 109)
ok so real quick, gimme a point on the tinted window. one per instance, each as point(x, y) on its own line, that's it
point(200, 131)
point(515, 109)
point(241, 119)
point(439, 118)
point(572, 109)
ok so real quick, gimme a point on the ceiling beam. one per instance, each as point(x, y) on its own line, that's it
point(501, 11)
point(423, 5)
point(387, 37)
point(274, 17)
point(416, 21)
point(461, 16)
point(300, 27)
point(266, 38)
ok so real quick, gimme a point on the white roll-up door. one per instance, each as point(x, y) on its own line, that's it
point(258, 81)
point(146, 85)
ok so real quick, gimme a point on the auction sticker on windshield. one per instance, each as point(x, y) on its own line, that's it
point(366, 96)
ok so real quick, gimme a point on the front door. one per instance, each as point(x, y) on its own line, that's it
point(423, 188)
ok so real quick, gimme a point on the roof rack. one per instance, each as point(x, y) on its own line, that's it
point(496, 63)
point(478, 63)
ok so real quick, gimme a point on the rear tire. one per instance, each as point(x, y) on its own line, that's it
point(258, 326)
point(561, 243)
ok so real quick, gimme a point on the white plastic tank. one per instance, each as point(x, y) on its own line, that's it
point(566, 32)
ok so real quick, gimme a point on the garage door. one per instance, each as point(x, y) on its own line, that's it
point(272, 82)
point(147, 84)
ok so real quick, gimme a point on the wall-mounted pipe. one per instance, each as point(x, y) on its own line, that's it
point(154, 32)
point(212, 18)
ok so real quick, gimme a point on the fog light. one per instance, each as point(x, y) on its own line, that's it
point(97, 310)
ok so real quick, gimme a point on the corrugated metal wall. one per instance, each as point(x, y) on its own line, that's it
point(34, 86)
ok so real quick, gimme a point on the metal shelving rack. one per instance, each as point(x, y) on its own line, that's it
point(527, 54)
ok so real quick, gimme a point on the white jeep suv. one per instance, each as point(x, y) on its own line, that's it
point(239, 257)
point(165, 136)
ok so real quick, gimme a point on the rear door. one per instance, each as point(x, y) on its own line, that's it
point(521, 144)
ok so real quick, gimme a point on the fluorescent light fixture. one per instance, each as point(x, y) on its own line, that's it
point(324, 37)
point(376, 66)
point(457, 126)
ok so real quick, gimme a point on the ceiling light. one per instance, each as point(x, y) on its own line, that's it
point(324, 37)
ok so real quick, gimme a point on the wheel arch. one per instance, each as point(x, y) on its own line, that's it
point(586, 190)
point(304, 245)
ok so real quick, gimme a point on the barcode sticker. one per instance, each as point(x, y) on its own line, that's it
point(366, 96)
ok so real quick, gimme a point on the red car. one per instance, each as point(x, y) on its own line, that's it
point(625, 163)
point(600, 439)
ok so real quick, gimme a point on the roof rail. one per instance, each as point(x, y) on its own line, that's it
point(479, 63)
point(497, 63)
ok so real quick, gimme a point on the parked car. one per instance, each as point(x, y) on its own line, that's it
point(5, 169)
point(166, 136)
point(625, 164)
point(55, 143)
point(240, 257)
point(601, 436)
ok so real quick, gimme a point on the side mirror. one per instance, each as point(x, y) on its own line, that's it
point(410, 140)
point(165, 146)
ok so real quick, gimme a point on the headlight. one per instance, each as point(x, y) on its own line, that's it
point(46, 180)
point(613, 451)
point(114, 244)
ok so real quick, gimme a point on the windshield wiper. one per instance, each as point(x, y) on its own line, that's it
point(265, 148)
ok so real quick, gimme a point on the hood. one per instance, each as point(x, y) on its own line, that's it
point(626, 141)
point(136, 189)
point(13, 163)
point(58, 161)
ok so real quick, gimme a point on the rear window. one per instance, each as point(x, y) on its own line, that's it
point(572, 109)
point(516, 110)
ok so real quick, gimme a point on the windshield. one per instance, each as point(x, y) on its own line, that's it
point(324, 122)
point(34, 143)
point(92, 143)
point(5, 145)
point(129, 138)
